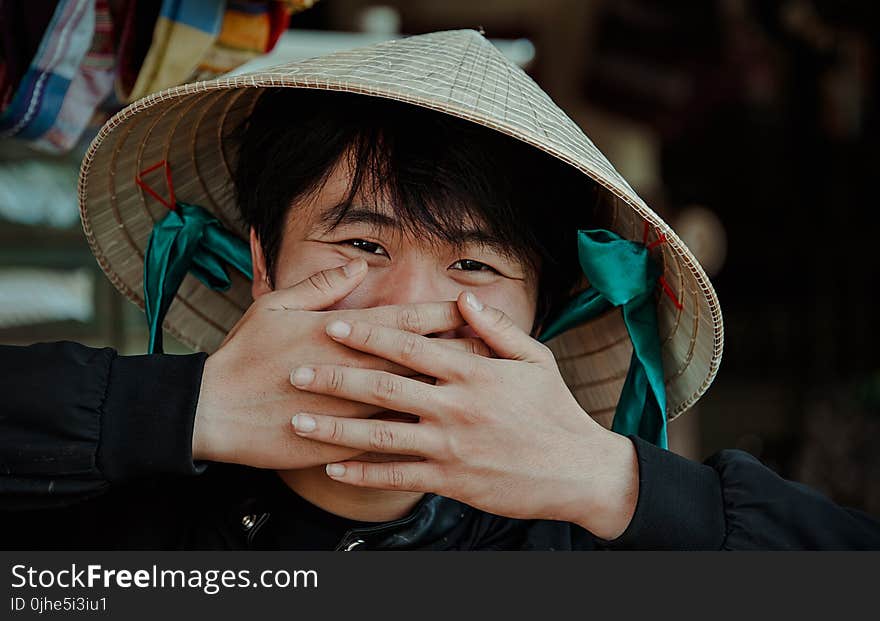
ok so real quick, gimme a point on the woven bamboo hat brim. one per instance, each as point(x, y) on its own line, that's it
point(455, 72)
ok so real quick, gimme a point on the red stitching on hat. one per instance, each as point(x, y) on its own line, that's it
point(660, 240)
point(668, 290)
point(138, 180)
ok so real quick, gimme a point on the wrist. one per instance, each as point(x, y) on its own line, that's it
point(612, 487)
point(202, 421)
point(199, 448)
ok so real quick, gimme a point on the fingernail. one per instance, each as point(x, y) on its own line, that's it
point(339, 329)
point(335, 470)
point(302, 376)
point(304, 422)
point(354, 267)
point(472, 301)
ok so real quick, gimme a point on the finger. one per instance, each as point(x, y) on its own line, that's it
point(499, 332)
point(414, 476)
point(422, 318)
point(414, 351)
point(386, 390)
point(303, 449)
point(379, 364)
point(320, 290)
point(470, 345)
point(368, 435)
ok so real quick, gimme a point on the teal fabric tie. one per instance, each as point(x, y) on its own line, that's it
point(187, 240)
point(622, 273)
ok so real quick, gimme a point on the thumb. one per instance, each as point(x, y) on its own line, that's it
point(322, 289)
point(499, 332)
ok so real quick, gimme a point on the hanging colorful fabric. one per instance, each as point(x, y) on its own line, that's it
point(184, 31)
point(90, 86)
point(134, 26)
point(21, 32)
point(42, 90)
point(622, 273)
point(250, 28)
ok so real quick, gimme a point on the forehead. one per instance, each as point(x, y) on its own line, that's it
point(331, 206)
point(333, 191)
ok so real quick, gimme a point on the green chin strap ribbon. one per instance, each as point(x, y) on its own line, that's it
point(190, 240)
point(187, 239)
point(622, 273)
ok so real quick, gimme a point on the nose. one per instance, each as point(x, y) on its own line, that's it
point(412, 281)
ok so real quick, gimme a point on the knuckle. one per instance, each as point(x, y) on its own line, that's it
point(411, 346)
point(452, 447)
point(451, 315)
point(473, 369)
point(410, 320)
point(466, 345)
point(337, 430)
point(396, 478)
point(479, 348)
point(385, 388)
point(321, 281)
point(480, 373)
point(381, 438)
point(502, 321)
point(335, 379)
point(462, 410)
point(366, 335)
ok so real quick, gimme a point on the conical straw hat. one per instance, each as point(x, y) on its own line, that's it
point(454, 72)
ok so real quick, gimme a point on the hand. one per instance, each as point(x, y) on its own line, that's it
point(502, 434)
point(246, 400)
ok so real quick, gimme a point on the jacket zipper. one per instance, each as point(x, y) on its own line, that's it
point(345, 546)
point(256, 527)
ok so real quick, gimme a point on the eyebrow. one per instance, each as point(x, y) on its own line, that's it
point(339, 215)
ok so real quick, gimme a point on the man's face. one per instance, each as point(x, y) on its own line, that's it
point(402, 269)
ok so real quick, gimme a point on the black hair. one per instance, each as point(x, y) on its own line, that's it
point(439, 173)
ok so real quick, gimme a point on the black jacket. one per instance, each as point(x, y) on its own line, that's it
point(95, 453)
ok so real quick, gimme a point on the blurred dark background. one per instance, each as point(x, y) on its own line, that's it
point(751, 127)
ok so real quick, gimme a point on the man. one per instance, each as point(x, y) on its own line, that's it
point(438, 425)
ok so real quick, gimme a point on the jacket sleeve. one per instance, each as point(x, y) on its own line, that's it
point(77, 420)
point(733, 502)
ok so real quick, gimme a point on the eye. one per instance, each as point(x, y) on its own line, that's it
point(366, 246)
point(469, 265)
